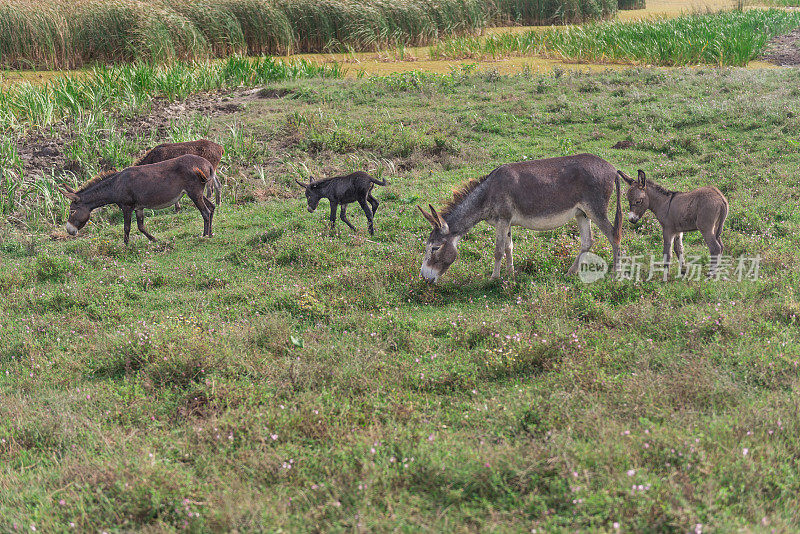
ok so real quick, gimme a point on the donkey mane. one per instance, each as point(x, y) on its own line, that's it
point(660, 188)
point(321, 181)
point(141, 158)
point(460, 194)
point(97, 179)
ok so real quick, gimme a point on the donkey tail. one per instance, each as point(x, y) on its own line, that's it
point(374, 181)
point(618, 215)
point(217, 186)
point(200, 174)
point(722, 216)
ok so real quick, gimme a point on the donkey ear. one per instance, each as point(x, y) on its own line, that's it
point(628, 179)
point(440, 222)
point(301, 184)
point(68, 188)
point(642, 179)
point(70, 195)
point(428, 217)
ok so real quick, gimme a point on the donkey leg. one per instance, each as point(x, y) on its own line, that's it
point(140, 224)
point(510, 254)
point(368, 213)
point(679, 251)
point(343, 216)
point(585, 228)
point(126, 222)
point(500, 244)
point(200, 204)
point(607, 228)
point(211, 207)
point(669, 237)
point(373, 202)
point(714, 249)
point(334, 205)
point(178, 206)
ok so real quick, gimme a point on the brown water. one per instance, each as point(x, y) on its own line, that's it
point(408, 59)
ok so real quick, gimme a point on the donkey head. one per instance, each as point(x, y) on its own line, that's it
point(440, 249)
point(313, 196)
point(78, 211)
point(638, 201)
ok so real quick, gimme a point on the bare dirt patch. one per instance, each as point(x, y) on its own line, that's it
point(43, 152)
point(784, 50)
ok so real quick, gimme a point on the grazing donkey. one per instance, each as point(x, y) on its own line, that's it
point(703, 209)
point(153, 186)
point(202, 147)
point(342, 190)
point(541, 195)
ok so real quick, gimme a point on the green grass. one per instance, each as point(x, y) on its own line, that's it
point(279, 376)
point(126, 87)
point(780, 3)
point(61, 34)
point(726, 38)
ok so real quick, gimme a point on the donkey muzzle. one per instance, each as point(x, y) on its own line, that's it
point(71, 230)
point(428, 274)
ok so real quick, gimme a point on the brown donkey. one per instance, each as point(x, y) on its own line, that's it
point(202, 147)
point(703, 209)
point(154, 186)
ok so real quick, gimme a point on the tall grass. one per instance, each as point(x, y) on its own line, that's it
point(631, 4)
point(728, 38)
point(554, 11)
point(113, 88)
point(64, 34)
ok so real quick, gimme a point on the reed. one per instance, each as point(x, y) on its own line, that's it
point(724, 39)
point(62, 34)
point(631, 4)
point(113, 88)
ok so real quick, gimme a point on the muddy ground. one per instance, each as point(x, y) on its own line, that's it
point(784, 50)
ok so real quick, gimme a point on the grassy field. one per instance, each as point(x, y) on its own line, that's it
point(781, 3)
point(65, 34)
point(280, 376)
point(725, 38)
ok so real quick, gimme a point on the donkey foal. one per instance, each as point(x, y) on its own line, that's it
point(703, 209)
point(342, 190)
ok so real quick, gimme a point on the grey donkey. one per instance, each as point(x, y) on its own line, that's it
point(703, 209)
point(541, 195)
point(341, 191)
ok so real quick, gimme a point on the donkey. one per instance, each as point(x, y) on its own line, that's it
point(541, 195)
point(342, 190)
point(153, 186)
point(703, 209)
point(202, 147)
